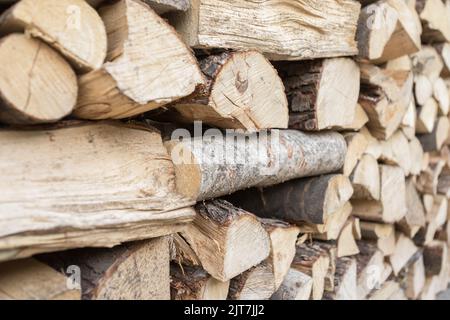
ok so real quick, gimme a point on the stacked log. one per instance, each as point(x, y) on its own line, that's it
point(175, 149)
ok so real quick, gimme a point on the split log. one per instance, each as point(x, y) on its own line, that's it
point(430, 289)
point(370, 267)
point(71, 206)
point(395, 151)
point(435, 20)
point(415, 278)
point(296, 286)
point(215, 165)
point(374, 146)
point(388, 30)
point(235, 95)
point(29, 279)
point(417, 154)
point(72, 27)
point(402, 63)
point(427, 182)
point(194, 283)
point(423, 89)
point(366, 179)
point(159, 6)
point(415, 214)
point(427, 116)
point(37, 86)
point(388, 291)
point(404, 250)
point(322, 94)
point(384, 97)
point(408, 124)
point(312, 200)
point(346, 282)
point(283, 238)
point(346, 244)
point(435, 258)
point(427, 62)
point(359, 121)
point(133, 271)
point(444, 50)
point(269, 28)
point(256, 283)
point(314, 261)
point(125, 85)
point(356, 146)
point(441, 94)
point(443, 186)
point(226, 239)
point(392, 204)
point(433, 141)
point(382, 234)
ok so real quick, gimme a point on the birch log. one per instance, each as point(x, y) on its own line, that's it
point(274, 28)
point(142, 69)
point(215, 165)
point(72, 205)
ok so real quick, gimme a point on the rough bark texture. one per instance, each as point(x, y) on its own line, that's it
point(208, 168)
point(296, 286)
point(254, 284)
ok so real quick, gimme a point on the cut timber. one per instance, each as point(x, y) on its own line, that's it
point(133, 271)
point(402, 63)
point(433, 141)
point(356, 146)
point(74, 206)
point(235, 95)
point(430, 289)
point(296, 286)
point(370, 267)
point(226, 239)
point(383, 234)
point(263, 160)
point(346, 280)
point(427, 62)
point(388, 291)
point(417, 154)
point(441, 94)
point(276, 29)
point(374, 146)
point(388, 30)
point(435, 258)
point(444, 50)
point(256, 283)
point(359, 120)
point(444, 182)
point(415, 214)
point(126, 84)
point(392, 205)
point(37, 86)
point(404, 250)
point(427, 182)
point(322, 94)
point(426, 117)
point(423, 89)
point(435, 20)
point(408, 125)
point(194, 283)
point(311, 200)
point(395, 151)
point(385, 97)
point(346, 244)
point(29, 279)
point(366, 179)
point(314, 261)
point(283, 238)
point(70, 26)
point(332, 227)
point(415, 278)
point(159, 6)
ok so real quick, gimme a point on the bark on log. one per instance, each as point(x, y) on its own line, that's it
point(346, 282)
point(330, 30)
point(296, 286)
point(71, 27)
point(256, 283)
point(125, 85)
point(435, 258)
point(226, 239)
point(311, 200)
point(29, 279)
point(71, 206)
point(235, 95)
point(215, 165)
point(322, 94)
point(37, 86)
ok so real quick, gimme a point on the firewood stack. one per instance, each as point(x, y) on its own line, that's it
point(321, 169)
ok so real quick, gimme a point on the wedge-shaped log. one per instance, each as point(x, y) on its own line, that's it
point(415, 214)
point(235, 95)
point(72, 205)
point(296, 286)
point(29, 279)
point(433, 141)
point(37, 86)
point(329, 32)
point(346, 280)
point(366, 179)
point(227, 240)
point(311, 200)
point(370, 267)
point(322, 94)
point(404, 250)
point(214, 165)
point(144, 70)
point(256, 283)
point(435, 20)
point(70, 26)
point(395, 151)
